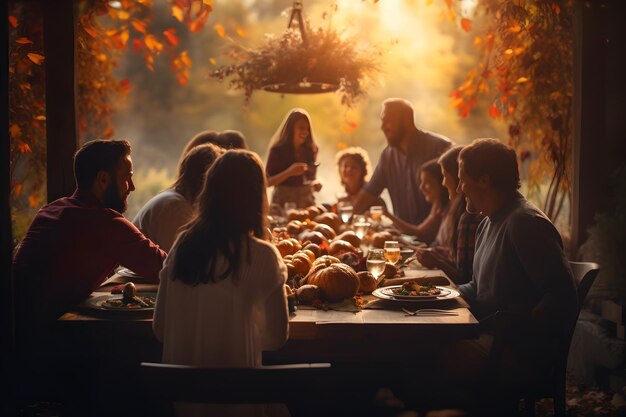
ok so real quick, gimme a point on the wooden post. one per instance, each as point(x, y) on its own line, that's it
point(599, 103)
point(60, 65)
point(8, 406)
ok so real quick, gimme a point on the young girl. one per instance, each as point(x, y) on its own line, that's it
point(291, 161)
point(430, 231)
point(221, 298)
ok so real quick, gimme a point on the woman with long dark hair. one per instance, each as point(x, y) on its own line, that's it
point(221, 298)
point(291, 161)
point(161, 218)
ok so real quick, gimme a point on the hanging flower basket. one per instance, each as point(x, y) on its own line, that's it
point(302, 61)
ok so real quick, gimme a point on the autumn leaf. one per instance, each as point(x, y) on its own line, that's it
point(466, 24)
point(219, 29)
point(15, 130)
point(153, 44)
point(33, 200)
point(13, 21)
point(139, 25)
point(40, 118)
point(125, 85)
point(171, 37)
point(456, 103)
point(124, 37)
point(35, 58)
point(213, 61)
point(137, 45)
point(521, 80)
point(241, 32)
point(23, 41)
point(177, 12)
point(24, 147)
point(17, 189)
point(494, 111)
point(90, 31)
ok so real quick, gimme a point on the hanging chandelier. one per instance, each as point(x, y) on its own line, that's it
point(303, 60)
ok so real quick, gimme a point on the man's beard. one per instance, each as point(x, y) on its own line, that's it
point(113, 199)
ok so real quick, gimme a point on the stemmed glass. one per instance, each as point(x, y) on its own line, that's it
point(376, 213)
point(376, 263)
point(392, 251)
point(361, 226)
point(345, 210)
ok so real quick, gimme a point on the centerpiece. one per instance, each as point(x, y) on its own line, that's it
point(303, 60)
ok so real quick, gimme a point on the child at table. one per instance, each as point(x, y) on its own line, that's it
point(221, 298)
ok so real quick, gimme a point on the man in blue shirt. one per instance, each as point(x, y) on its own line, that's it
point(400, 162)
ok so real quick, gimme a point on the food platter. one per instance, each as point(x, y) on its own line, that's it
point(386, 293)
point(392, 292)
point(112, 302)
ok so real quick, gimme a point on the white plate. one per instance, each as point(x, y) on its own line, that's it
point(99, 303)
point(384, 294)
point(125, 272)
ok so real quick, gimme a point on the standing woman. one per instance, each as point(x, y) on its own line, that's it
point(291, 161)
point(221, 298)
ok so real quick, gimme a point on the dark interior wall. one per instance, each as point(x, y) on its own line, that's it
point(600, 100)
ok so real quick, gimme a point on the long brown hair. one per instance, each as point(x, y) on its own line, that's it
point(193, 168)
point(283, 137)
point(449, 162)
point(232, 205)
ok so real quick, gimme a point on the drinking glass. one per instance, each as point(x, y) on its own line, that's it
point(376, 263)
point(361, 226)
point(345, 210)
point(392, 251)
point(376, 213)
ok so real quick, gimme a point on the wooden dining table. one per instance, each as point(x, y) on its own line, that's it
point(378, 339)
point(381, 329)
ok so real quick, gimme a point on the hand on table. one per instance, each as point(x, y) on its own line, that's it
point(428, 257)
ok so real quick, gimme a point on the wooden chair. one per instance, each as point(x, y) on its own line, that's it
point(306, 389)
point(551, 384)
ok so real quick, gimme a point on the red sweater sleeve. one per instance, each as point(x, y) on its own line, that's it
point(135, 251)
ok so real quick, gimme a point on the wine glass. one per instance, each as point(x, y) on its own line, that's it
point(392, 251)
point(376, 263)
point(361, 226)
point(345, 210)
point(376, 213)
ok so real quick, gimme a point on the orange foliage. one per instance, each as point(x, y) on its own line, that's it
point(526, 54)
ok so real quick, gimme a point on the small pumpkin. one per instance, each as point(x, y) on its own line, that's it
point(326, 230)
point(297, 214)
point(367, 282)
point(308, 293)
point(313, 211)
point(312, 237)
point(336, 282)
point(350, 236)
point(331, 219)
point(379, 239)
point(310, 254)
point(294, 227)
point(301, 263)
point(313, 247)
point(285, 247)
point(326, 260)
point(339, 246)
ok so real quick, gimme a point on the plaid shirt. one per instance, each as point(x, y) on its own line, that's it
point(465, 241)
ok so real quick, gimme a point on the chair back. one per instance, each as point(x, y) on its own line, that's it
point(267, 384)
point(585, 274)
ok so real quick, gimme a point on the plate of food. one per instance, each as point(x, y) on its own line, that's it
point(412, 291)
point(128, 300)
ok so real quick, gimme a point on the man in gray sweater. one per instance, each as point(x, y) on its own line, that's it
point(519, 264)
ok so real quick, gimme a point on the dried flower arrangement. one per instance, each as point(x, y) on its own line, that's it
point(319, 62)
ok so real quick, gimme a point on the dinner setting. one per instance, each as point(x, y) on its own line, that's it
point(394, 208)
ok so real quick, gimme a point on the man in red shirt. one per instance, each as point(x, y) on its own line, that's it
point(75, 242)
